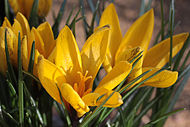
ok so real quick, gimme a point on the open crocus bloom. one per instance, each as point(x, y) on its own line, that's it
point(25, 7)
point(43, 37)
point(136, 40)
point(74, 72)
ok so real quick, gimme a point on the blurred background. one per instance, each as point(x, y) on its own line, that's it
point(128, 11)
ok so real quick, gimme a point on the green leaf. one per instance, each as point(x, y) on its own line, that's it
point(10, 67)
point(10, 117)
point(33, 19)
point(171, 28)
point(20, 85)
point(57, 22)
point(7, 9)
point(146, 108)
point(33, 104)
point(162, 20)
point(178, 91)
point(185, 61)
point(162, 117)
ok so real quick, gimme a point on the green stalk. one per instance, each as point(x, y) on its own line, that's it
point(171, 31)
point(162, 20)
point(20, 85)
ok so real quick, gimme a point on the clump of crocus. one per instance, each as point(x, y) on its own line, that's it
point(74, 72)
point(43, 37)
point(137, 39)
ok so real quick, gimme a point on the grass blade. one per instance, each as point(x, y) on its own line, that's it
point(10, 67)
point(171, 28)
point(33, 19)
point(55, 27)
point(163, 117)
point(20, 85)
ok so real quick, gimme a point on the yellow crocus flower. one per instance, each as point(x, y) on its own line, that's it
point(137, 39)
point(25, 7)
point(43, 37)
point(74, 72)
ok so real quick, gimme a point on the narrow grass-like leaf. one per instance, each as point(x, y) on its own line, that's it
point(11, 89)
point(159, 34)
point(86, 26)
point(29, 79)
point(57, 22)
point(178, 91)
point(20, 85)
point(183, 72)
point(32, 55)
point(136, 102)
point(10, 117)
point(185, 61)
point(9, 65)
point(146, 109)
point(122, 117)
point(142, 9)
point(94, 9)
point(130, 121)
point(6, 9)
point(33, 104)
point(33, 19)
point(163, 117)
point(101, 116)
point(74, 19)
point(162, 20)
point(171, 28)
point(32, 76)
point(68, 19)
point(91, 29)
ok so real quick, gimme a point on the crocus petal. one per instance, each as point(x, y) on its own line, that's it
point(68, 55)
point(24, 52)
point(139, 34)
point(128, 55)
point(50, 75)
point(47, 36)
point(115, 76)
point(158, 55)
point(6, 23)
point(161, 80)
point(24, 23)
point(3, 62)
point(39, 44)
point(114, 101)
point(109, 17)
point(51, 57)
point(17, 28)
point(72, 97)
point(94, 51)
